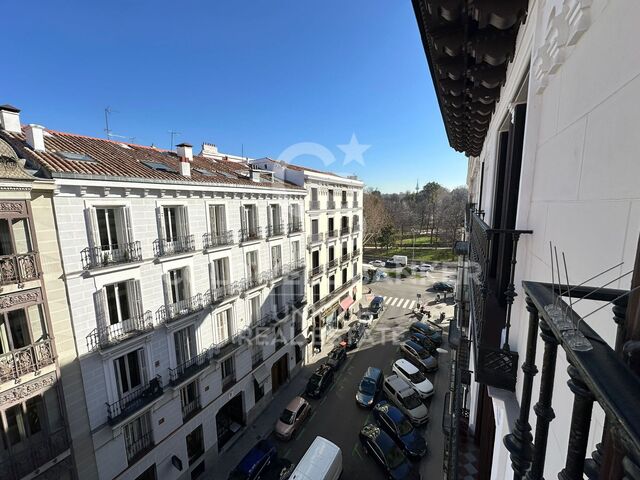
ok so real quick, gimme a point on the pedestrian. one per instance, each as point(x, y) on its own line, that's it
point(442, 316)
point(438, 298)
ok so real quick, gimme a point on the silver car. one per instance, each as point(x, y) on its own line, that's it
point(403, 396)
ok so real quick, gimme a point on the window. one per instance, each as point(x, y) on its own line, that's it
point(355, 244)
point(219, 271)
point(254, 309)
point(332, 283)
point(148, 474)
point(113, 225)
point(275, 219)
point(249, 220)
point(137, 437)
point(252, 266)
point(345, 249)
point(195, 444)
point(331, 226)
point(256, 355)
point(278, 298)
point(123, 302)
point(344, 197)
point(177, 288)
point(174, 222)
point(294, 217)
point(314, 194)
point(355, 199)
point(332, 255)
point(15, 237)
point(223, 325)
point(316, 293)
point(185, 343)
point(314, 227)
point(295, 250)
point(258, 390)
point(355, 269)
point(298, 353)
point(130, 371)
point(190, 399)
point(315, 259)
point(217, 220)
point(25, 420)
point(344, 276)
point(276, 260)
point(21, 327)
point(227, 369)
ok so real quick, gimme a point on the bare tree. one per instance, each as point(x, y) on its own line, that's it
point(376, 216)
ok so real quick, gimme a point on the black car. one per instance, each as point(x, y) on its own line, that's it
point(376, 306)
point(428, 329)
point(279, 469)
point(337, 357)
point(256, 462)
point(424, 341)
point(352, 338)
point(393, 421)
point(319, 381)
point(442, 287)
point(380, 445)
point(419, 356)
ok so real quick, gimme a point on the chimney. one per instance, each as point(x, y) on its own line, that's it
point(185, 152)
point(209, 150)
point(254, 174)
point(10, 118)
point(35, 137)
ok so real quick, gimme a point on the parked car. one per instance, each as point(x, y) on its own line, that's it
point(319, 381)
point(366, 318)
point(425, 267)
point(352, 338)
point(414, 377)
point(393, 421)
point(391, 264)
point(322, 461)
point(255, 462)
point(428, 329)
point(376, 306)
point(279, 469)
point(292, 417)
point(369, 387)
point(406, 399)
point(337, 356)
point(442, 287)
point(401, 260)
point(377, 263)
point(390, 457)
point(424, 342)
point(419, 356)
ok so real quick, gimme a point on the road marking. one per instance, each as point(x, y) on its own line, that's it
point(356, 450)
point(393, 302)
point(390, 301)
point(406, 304)
point(412, 305)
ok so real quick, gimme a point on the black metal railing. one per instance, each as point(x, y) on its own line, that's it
point(275, 230)
point(331, 234)
point(331, 204)
point(333, 294)
point(295, 226)
point(137, 448)
point(133, 402)
point(298, 264)
point(250, 234)
point(597, 373)
point(210, 240)
point(356, 227)
point(254, 281)
point(314, 205)
point(490, 303)
point(229, 344)
point(25, 360)
point(107, 255)
point(333, 263)
point(344, 204)
point(356, 253)
point(314, 238)
point(189, 368)
point(344, 231)
point(109, 335)
point(188, 409)
point(228, 381)
point(220, 294)
point(182, 244)
point(33, 455)
point(314, 272)
point(278, 271)
point(345, 258)
point(182, 308)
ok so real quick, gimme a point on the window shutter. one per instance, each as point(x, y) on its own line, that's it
point(186, 278)
point(212, 277)
point(184, 221)
point(101, 308)
point(166, 282)
point(222, 220)
point(242, 219)
point(160, 221)
point(92, 226)
point(135, 295)
point(128, 225)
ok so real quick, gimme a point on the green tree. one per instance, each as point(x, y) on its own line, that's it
point(386, 236)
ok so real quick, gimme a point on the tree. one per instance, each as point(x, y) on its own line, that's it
point(386, 236)
point(375, 216)
point(432, 191)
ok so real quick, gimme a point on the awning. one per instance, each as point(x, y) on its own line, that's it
point(261, 374)
point(346, 303)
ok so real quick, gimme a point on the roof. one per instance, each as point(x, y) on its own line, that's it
point(127, 161)
point(302, 168)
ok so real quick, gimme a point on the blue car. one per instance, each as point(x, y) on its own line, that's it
point(389, 456)
point(256, 462)
point(369, 387)
point(393, 421)
point(428, 329)
point(424, 341)
point(376, 306)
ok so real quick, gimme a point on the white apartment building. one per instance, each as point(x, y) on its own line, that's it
point(185, 281)
point(542, 96)
point(333, 225)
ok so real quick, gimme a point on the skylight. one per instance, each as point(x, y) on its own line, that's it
point(204, 171)
point(124, 145)
point(225, 174)
point(160, 167)
point(77, 157)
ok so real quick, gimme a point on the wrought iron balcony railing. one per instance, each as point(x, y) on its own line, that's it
point(189, 368)
point(298, 264)
point(33, 455)
point(490, 303)
point(183, 244)
point(356, 227)
point(133, 402)
point(25, 360)
point(332, 263)
point(314, 205)
point(182, 308)
point(344, 204)
point(332, 234)
point(344, 231)
point(314, 272)
point(355, 253)
point(18, 268)
point(275, 230)
point(109, 335)
point(210, 241)
point(107, 255)
point(597, 372)
point(220, 294)
point(295, 226)
point(331, 204)
point(229, 344)
point(254, 281)
point(188, 409)
point(356, 204)
point(314, 238)
point(137, 448)
point(345, 258)
point(250, 234)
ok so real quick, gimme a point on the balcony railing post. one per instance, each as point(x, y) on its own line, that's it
point(580, 422)
point(543, 408)
point(510, 294)
point(519, 443)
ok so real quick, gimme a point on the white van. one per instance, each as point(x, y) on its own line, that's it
point(402, 260)
point(322, 461)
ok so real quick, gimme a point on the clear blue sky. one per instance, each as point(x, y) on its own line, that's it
point(266, 74)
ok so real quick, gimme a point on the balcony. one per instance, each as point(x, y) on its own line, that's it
point(314, 205)
point(18, 268)
point(175, 311)
point(29, 359)
point(314, 272)
point(314, 238)
point(355, 254)
point(220, 294)
point(189, 409)
point(188, 369)
point(228, 381)
point(210, 241)
point(134, 401)
point(228, 345)
point(250, 234)
point(296, 265)
point(275, 230)
point(344, 231)
point(139, 447)
point(491, 293)
point(356, 228)
point(331, 204)
point(356, 204)
point(332, 234)
point(34, 455)
point(345, 258)
point(110, 335)
point(278, 271)
point(255, 281)
point(295, 227)
point(108, 255)
point(344, 204)
point(183, 244)
point(332, 264)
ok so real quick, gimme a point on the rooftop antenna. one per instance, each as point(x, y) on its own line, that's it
point(417, 185)
point(108, 111)
point(173, 134)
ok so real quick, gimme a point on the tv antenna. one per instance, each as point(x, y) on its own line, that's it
point(108, 111)
point(173, 134)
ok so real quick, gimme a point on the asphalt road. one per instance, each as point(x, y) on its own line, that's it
point(336, 416)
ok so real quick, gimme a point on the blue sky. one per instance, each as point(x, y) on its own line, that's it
point(258, 73)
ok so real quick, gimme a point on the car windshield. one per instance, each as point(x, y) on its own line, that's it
point(314, 381)
point(394, 457)
point(334, 353)
point(287, 417)
point(417, 377)
point(368, 386)
point(404, 427)
point(423, 354)
point(412, 401)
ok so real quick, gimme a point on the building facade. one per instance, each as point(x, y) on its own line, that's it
point(333, 225)
point(542, 97)
point(186, 281)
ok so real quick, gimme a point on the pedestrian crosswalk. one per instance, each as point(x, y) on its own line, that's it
point(400, 303)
